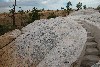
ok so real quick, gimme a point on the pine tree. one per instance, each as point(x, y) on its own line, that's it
point(68, 7)
point(12, 11)
point(84, 6)
point(34, 15)
point(79, 6)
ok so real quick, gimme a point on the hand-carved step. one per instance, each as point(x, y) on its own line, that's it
point(91, 44)
point(92, 51)
point(88, 33)
point(78, 21)
point(89, 60)
point(82, 25)
point(90, 39)
point(87, 30)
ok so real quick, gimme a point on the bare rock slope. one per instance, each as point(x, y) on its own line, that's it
point(90, 20)
point(45, 43)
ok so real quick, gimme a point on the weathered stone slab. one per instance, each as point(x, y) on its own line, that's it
point(45, 43)
point(9, 37)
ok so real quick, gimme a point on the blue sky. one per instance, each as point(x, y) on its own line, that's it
point(47, 4)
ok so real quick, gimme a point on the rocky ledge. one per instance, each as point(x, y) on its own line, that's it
point(45, 43)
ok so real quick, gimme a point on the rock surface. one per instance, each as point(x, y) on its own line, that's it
point(90, 20)
point(96, 65)
point(54, 42)
point(45, 43)
point(9, 37)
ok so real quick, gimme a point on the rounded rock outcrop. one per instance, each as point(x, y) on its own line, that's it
point(45, 43)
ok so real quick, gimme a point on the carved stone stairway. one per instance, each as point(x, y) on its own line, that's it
point(92, 53)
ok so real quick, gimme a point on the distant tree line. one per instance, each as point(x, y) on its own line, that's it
point(69, 9)
point(98, 8)
point(34, 15)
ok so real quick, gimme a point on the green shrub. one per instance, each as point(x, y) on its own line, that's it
point(84, 7)
point(68, 7)
point(6, 28)
point(79, 6)
point(98, 8)
point(34, 15)
point(51, 16)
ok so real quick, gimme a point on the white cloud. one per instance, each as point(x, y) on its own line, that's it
point(89, 3)
point(48, 4)
point(44, 2)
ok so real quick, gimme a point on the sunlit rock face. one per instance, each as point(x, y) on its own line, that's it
point(84, 12)
point(45, 43)
point(89, 14)
point(9, 37)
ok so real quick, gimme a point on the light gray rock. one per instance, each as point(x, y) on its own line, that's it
point(92, 51)
point(91, 44)
point(46, 43)
point(96, 65)
point(90, 60)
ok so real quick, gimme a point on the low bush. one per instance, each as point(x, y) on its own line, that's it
point(98, 8)
point(51, 16)
point(6, 28)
